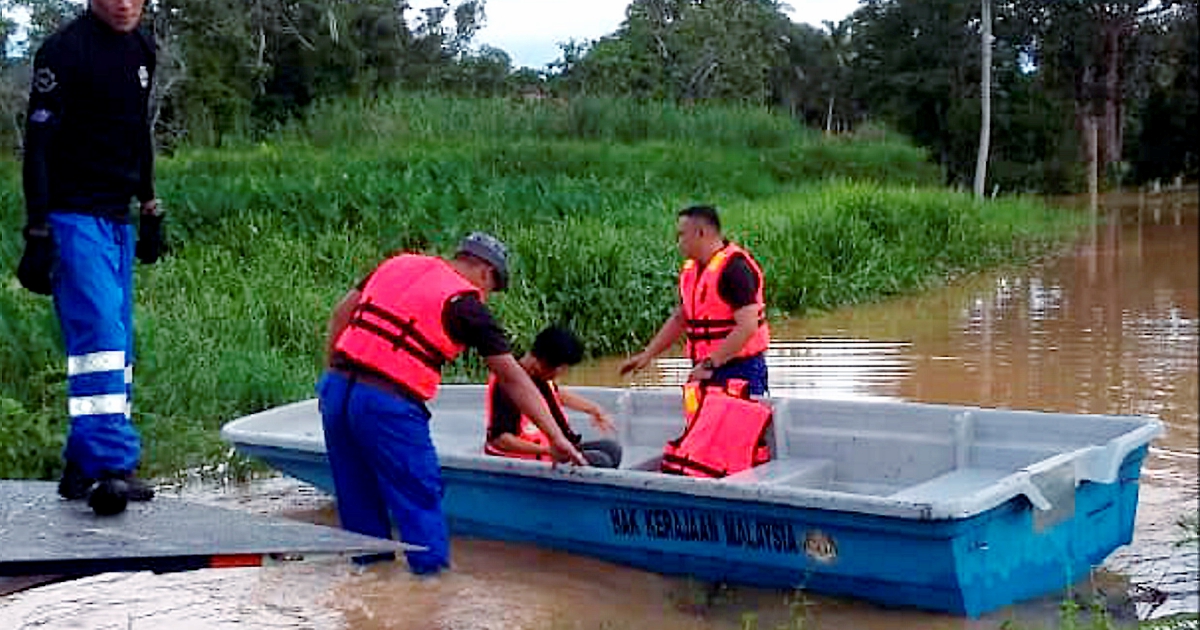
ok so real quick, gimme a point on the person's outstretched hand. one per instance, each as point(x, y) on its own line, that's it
point(562, 450)
point(603, 421)
point(634, 363)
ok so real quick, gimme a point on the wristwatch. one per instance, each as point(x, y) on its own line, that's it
point(707, 364)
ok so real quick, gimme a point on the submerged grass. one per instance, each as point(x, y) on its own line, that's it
point(266, 238)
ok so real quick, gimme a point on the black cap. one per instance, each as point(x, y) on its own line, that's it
point(490, 250)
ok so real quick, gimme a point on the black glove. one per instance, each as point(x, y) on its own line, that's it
point(150, 238)
point(37, 262)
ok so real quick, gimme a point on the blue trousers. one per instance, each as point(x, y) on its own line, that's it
point(384, 464)
point(751, 369)
point(93, 298)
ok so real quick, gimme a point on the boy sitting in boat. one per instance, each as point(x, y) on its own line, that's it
point(511, 434)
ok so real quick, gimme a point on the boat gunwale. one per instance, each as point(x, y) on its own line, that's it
point(1094, 463)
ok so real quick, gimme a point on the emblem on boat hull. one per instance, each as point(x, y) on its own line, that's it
point(819, 546)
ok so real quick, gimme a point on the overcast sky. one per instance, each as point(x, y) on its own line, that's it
point(529, 30)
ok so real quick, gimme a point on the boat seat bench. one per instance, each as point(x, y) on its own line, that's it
point(792, 471)
point(641, 457)
point(961, 482)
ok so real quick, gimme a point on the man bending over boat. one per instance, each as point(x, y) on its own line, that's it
point(388, 340)
point(721, 311)
point(513, 434)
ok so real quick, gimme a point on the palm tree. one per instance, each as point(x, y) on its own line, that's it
point(838, 55)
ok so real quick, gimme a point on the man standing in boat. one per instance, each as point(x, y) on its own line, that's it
point(388, 340)
point(512, 434)
point(721, 312)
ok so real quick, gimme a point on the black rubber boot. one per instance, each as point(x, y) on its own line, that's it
point(109, 497)
point(74, 485)
point(138, 490)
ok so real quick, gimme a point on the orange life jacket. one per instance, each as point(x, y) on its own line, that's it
point(708, 318)
point(725, 432)
point(396, 328)
point(527, 430)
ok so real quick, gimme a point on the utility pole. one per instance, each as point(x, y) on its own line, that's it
point(985, 83)
point(1093, 150)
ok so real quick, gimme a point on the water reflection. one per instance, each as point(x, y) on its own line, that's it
point(832, 367)
point(840, 367)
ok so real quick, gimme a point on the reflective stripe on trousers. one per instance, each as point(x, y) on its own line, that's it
point(93, 298)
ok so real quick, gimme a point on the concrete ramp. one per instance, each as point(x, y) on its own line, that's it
point(44, 535)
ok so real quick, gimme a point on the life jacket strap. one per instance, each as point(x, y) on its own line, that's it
point(410, 339)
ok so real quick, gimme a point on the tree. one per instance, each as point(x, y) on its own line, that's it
point(798, 81)
point(485, 73)
point(914, 67)
point(1166, 122)
point(917, 69)
point(45, 17)
point(247, 64)
point(686, 50)
point(838, 55)
point(1081, 45)
point(14, 88)
point(568, 74)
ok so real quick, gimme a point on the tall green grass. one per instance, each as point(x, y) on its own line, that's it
point(267, 237)
point(404, 117)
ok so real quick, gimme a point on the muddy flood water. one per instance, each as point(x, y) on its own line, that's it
point(1108, 327)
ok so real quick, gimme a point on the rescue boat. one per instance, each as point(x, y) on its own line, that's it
point(940, 507)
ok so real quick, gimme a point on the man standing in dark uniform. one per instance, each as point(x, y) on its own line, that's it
point(88, 153)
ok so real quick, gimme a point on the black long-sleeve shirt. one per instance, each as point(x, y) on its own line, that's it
point(87, 141)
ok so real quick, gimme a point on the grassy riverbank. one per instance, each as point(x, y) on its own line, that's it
point(268, 235)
